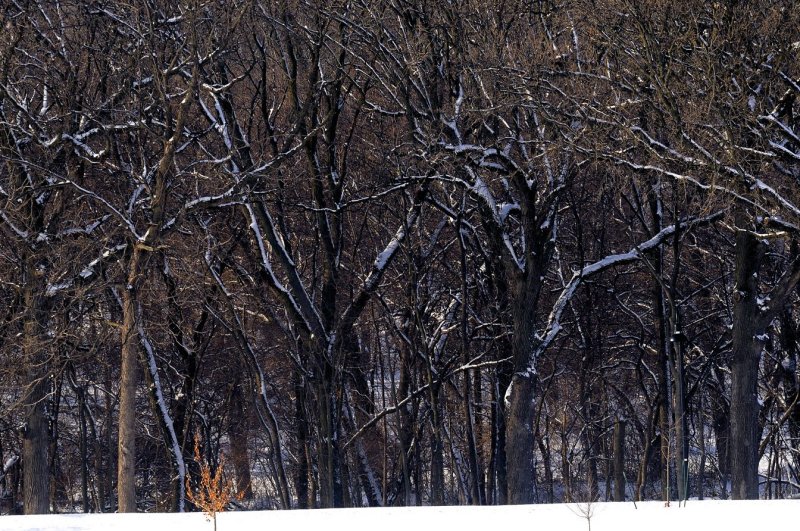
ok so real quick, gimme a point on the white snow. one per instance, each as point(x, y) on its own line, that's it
point(652, 516)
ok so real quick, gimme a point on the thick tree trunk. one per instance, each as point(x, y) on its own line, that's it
point(36, 484)
point(519, 439)
point(35, 434)
point(521, 395)
point(748, 341)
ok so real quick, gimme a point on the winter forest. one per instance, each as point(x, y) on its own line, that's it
point(398, 252)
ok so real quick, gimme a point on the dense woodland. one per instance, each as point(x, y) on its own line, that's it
point(398, 252)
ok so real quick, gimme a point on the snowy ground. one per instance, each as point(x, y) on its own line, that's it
point(650, 516)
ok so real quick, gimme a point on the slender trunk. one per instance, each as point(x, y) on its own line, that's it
point(619, 460)
point(663, 348)
point(331, 494)
point(499, 453)
point(720, 423)
point(126, 458)
point(566, 472)
point(437, 444)
point(406, 427)
point(475, 490)
point(701, 437)
point(680, 421)
point(301, 423)
point(678, 377)
point(238, 434)
point(649, 440)
point(587, 408)
point(547, 463)
point(81, 392)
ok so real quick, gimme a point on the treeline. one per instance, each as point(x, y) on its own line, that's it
point(398, 252)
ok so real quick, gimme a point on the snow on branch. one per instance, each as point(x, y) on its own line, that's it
point(266, 266)
point(554, 320)
point(382, 262)
point(166, 418)
point(85, 274)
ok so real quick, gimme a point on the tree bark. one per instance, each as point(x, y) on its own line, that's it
point(519, 439)
point(521, 394)
point(129, 377)
point(238, 433)
point(36, 474)
point(35, 434)
point(619, 460)
point(747, 345)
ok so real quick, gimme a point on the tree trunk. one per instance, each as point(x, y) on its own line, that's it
point(126, 458)
point(701, 437)
point(36, 484)
point(301, 423)
point(720, 424)
point(83, 448)
point(519, 440)
point(747, 345)
point(330, 479)
point(619, 460)
point(35, 434)
point(680, 421)
point(238, 433)
point(521, 394)
point(499, 468)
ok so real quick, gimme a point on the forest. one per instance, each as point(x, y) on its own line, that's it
point(398, 252)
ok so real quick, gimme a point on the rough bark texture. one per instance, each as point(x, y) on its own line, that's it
point(36, 476)
point(519, 440)
point(744, 432)
point(35, 433)
point(521, 396)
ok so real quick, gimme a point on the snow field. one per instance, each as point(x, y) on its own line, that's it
point(649, 516)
